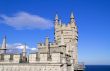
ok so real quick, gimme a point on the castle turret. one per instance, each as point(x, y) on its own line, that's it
point(4, 43)
point(47, 41)
point(56, 19)
point(56, 23)
point(72, 17)
point(24, 51)
point(3, 49)
point(72, 20)
point(47, 44)
point(74, 46)
point(24, 58)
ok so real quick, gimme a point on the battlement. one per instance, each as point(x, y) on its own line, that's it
point(9, 58)
point(43, 45)
point(64, 26)
point(44, 58)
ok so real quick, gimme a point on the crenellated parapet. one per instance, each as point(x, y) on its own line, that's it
point(42, 45)
point(9, 58)
point(57, 55)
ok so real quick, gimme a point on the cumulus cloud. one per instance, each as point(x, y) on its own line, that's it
point(24, 20)
point(17, 48)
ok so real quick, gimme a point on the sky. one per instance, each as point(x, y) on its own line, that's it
point(30, 21)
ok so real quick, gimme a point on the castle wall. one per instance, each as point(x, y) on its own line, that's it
point(32, 58)
point(6, 58)
point(54, 58)
point(43, 58)
point(30, 67)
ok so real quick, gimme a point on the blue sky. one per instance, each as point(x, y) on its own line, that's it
point(92, 18)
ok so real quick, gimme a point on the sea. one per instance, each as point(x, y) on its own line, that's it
point(97, 68)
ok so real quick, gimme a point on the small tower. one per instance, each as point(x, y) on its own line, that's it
point(24, 58)
point(72, 21)
point(56, 19)
point(24, 51)
point(56, 26)
point(47, 44)
point(3, 49)
point(74, 39)
point(47, 41)
point(74, 45)
point(72, 17)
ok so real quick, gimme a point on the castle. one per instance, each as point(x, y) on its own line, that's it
point(61, 55)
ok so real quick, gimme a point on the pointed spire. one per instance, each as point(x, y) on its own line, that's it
point(72, 16)
point(24, 58)
point(3, 51)
point(47, 41)
point(56, 17)
point(56, 20)
point(62, 38)
point(4, 43)
point(24, 51)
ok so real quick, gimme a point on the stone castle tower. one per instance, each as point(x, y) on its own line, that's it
point(70, 34)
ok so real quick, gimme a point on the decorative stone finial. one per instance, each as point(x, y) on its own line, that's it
point(56, 17)
point(4, 43)
point(47, 41)
point(72, 16)
point(24, 49)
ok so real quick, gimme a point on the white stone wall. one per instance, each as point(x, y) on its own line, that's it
point(16, 58)
point(30, 67)
point(32, 58)
point(43, 58)
point(56, 57)
point(6, 57)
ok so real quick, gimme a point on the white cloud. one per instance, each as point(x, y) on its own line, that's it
point(33, 49)
point(17, 48)
point(24, 20)
point(20, 46)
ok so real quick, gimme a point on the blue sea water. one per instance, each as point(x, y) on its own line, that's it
point(97, 68)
